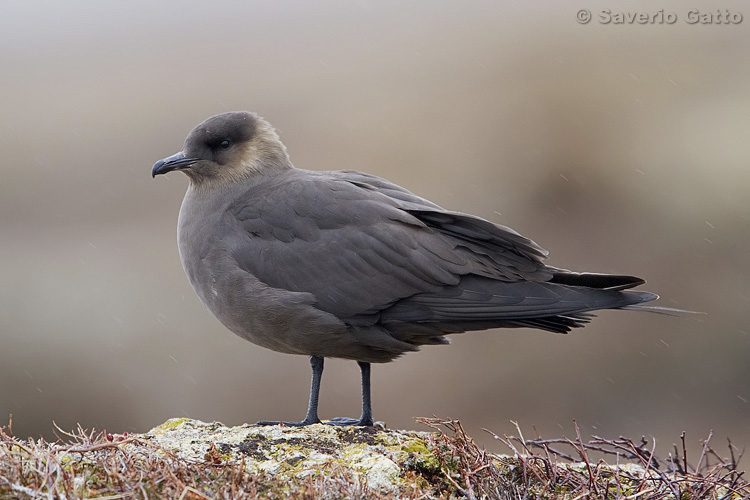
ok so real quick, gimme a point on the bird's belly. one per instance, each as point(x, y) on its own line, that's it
point(279, 320)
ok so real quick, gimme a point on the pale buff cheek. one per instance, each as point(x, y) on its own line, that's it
point(263, 154)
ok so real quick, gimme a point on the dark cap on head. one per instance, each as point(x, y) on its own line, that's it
point(226, 148)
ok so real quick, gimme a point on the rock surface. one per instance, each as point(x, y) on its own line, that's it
point(379, 458)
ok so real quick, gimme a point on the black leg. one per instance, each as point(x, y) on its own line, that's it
point(366, 418)
point(316, 362)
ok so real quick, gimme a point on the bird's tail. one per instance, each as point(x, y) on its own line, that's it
point(598, 281)
point(636, 298)
point(617, 282)
point(478, 303)
point(667, 311)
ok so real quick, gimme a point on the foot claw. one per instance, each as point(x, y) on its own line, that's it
point(340, 421)
point(288, 424)
point(348, 421)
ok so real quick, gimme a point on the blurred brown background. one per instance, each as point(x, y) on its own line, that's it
point(620, 149)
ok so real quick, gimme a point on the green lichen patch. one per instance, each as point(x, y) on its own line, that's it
point(172, 423)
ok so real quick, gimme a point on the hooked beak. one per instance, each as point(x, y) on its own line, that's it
point(175, 162)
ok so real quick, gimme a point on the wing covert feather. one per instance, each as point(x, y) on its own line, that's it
point(360, 244)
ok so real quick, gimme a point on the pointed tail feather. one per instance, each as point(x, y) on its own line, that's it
point(667, 311)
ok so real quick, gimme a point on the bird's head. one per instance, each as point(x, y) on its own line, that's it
point(228, 148)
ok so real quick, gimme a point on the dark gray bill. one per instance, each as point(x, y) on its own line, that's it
point(175, 162)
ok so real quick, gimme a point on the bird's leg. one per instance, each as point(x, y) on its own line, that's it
point(316, 362)
point(366, 418)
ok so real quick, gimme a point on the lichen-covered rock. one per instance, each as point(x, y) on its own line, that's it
point(193, 460)
point(380, 458)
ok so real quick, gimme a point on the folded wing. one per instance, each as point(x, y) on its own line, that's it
point(360, 244)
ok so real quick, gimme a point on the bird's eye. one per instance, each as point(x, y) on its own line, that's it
point(225, 144)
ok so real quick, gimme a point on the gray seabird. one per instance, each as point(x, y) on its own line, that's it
point(348, 265)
